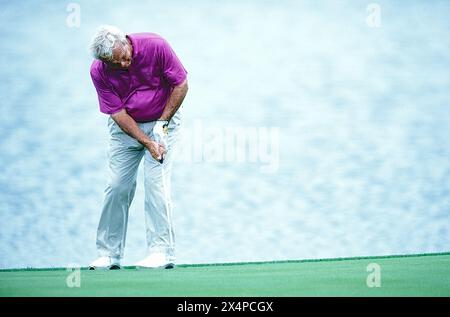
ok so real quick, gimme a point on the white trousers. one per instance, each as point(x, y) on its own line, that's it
point(124, 156)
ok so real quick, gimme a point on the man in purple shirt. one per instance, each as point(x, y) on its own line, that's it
point(141, 85)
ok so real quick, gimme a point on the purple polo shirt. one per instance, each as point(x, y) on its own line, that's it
point(144, 88)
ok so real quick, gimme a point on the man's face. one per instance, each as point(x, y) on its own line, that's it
point(121, 56)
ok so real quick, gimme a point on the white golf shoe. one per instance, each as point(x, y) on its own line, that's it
point(105, 263)
point(156, 261)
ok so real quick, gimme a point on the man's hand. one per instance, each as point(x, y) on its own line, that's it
point(156, 150)
point(130, 127)
point(161, 132)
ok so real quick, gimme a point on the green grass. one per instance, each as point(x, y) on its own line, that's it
point(414, 275)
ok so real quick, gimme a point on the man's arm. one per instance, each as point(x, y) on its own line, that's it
point(175, 100)
point(130, 127)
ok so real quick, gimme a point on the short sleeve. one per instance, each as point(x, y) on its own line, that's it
point(172, 69)
point(109, 102)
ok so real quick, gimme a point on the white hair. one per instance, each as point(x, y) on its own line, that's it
point(105, 40)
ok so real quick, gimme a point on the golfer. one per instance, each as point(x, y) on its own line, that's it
point(141, 85)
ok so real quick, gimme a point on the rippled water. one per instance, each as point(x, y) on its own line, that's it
point(363, 115)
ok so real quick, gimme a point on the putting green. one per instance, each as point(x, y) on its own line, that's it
point(412, 275)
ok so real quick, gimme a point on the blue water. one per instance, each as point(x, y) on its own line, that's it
point(363, 115)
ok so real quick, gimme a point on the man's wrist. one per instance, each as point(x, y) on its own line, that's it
point(147, 142)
